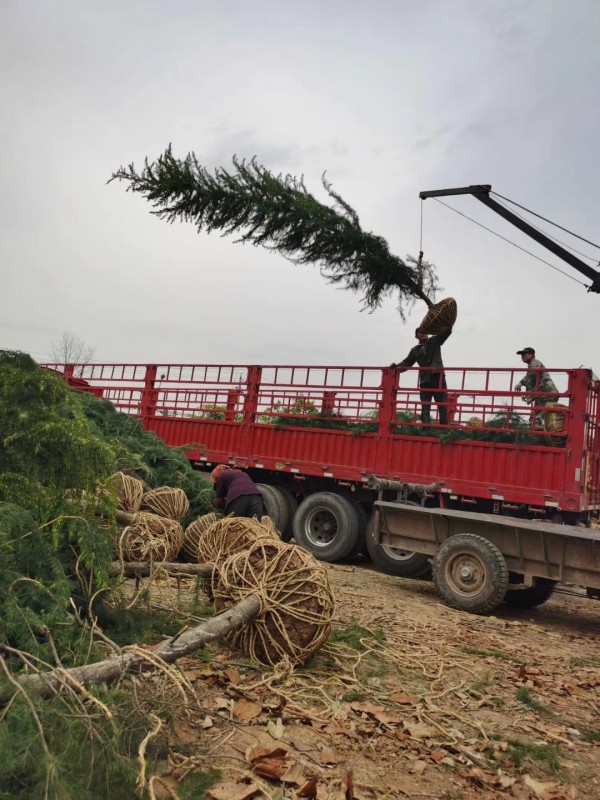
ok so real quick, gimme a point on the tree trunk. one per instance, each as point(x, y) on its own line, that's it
point(48, 683)
point(143, 569)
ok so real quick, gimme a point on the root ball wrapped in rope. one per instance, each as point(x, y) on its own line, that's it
point(232, 535)
point(440, 317)
point(130, 491)
point(149, 538)
point(297, 601)
point(193, 533)
point(167, 502)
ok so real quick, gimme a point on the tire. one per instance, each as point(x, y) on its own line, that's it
point(470, 573)
point(533, 596)
point(328, 526)
point(277, 507)
point(392, 561)
point(287, 533)
point(363, 521)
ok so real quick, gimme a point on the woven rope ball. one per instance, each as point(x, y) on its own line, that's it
point(440, 317)
point(150, 538)
point(554, 419)
point(475, 422)
point(130, 491)
point(297, 601)
point(167, 502)
point(232, 535)
point(193, 534)
point(555, 422)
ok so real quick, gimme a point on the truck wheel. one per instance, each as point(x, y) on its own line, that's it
point(363, 523)
point(327, 525)
point(393, 561)
point(277, 508)
point(533, 596)
point(470, 573)
point(292, 507)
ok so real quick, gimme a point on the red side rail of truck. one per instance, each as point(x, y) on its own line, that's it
point(325, 427)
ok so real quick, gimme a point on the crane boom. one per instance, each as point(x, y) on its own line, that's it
point(482, 193)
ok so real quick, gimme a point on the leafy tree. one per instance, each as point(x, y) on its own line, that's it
point(279, 213)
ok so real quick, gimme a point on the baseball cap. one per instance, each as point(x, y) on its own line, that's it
point(525, 350)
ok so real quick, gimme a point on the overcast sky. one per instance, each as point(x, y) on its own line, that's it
point(389, 97)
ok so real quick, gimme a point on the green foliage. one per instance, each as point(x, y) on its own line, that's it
point(356, 637)
point(520, 751)
point(279, 213)
point(70, 758)
point(145, 455)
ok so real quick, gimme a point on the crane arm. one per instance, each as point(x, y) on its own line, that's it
point(482, 193)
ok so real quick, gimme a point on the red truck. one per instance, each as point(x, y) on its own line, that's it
point(314, 437)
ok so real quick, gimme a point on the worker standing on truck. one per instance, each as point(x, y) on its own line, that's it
point(236, 492)
point(535, 382)
point(432, 380)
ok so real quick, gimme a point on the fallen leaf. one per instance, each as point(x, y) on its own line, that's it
point(418, 767)
point(246, 710)
point(232, 675)
point(294, 774)
point(190, 675)
point(367, 708)
point(276, 728)
point(184, 733)
point(349, 788)
point(337, 730)
point(403, 699)
point(329, 756)
point(309, 790)
point(206, 722)
point(223, 702)
point(540, 789)
point(418, 730)
point(254, 754)
point(438, 755)
point(271, 768)
point(232, 791)
point(388, 719)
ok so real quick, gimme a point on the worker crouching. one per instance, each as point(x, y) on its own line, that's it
point(237, 494)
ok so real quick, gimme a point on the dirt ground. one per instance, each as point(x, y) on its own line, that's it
point(409, 698)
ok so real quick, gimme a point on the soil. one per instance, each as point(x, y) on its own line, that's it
point(409, 698)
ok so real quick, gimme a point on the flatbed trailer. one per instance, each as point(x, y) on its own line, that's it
point(478, 560)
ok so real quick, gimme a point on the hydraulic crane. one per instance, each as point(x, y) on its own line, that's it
point(482, 193)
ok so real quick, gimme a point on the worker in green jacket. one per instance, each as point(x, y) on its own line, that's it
point(534, 382)
point(432, 380)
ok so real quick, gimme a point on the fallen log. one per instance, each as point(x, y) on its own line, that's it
point(46, 684)
point(143, 569)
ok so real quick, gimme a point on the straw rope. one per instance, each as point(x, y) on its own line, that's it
point(440, 317)
point(167, 502)
point(193, 534)
point(232, 535)
point(297, 601)
point(129, 490)
point(149, 538)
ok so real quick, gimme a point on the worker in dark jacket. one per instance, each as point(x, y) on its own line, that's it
point(432, 381)
point(236, 492)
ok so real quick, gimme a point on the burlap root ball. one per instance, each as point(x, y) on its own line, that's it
point(192, 535)
point(231, 535)
point(297, 601)
point(130, 491)
point(167, 502)
point(149, 538)
point(440, 317)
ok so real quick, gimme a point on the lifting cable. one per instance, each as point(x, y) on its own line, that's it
point(549, 236)
point(514, 244)
point(549, 221)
